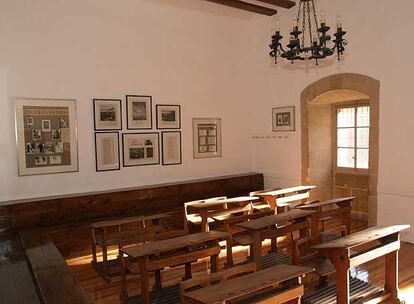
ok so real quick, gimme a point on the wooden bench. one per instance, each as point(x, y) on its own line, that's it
point(368, 244)
point(171, 252)
point(121, 232)
point(203, 280)
point(337, 208)
point(215, 208)
point(281, 199)
point(56, 282)
point(192, 218)
point(274, 226)
point(262, 204)
point(16, 282)
point(278, 284)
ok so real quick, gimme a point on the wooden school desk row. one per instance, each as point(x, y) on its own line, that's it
point(265, 214)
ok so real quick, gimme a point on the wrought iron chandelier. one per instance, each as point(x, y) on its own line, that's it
point(311, 42)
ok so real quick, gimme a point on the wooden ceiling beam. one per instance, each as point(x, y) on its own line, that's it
point(281, 3)
point(247, 6)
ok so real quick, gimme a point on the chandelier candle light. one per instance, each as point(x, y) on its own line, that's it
point(315, 47)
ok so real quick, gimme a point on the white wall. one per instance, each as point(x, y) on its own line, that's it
point(213, 61)
point(176, 51)
point(380, 47)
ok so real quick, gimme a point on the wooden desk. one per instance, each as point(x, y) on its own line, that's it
point(206, 209)
point(273, 226)
point(255, 284)
point(339, 252)
point(342, 211)
point(102, 237)
point(176, 251)
point(280, 199)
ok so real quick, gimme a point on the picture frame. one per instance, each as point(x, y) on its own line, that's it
point(207, 140)
point(168, 116)
point(140, 149)
point(107, 114)
point(46, 136)
point(107, 151)
point(171, 148)
point(283, 119)
point(139, 112)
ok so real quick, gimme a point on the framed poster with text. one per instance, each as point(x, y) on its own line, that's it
point(46, 134)
point(206, 137)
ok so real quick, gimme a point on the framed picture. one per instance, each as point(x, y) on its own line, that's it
point(206, 137)
point(140, 149)
point(46, 134)
point(139, 112)
point(107, 114)
point(283, 119)
point(171, 148)
point(168, 117)
point(107, 151)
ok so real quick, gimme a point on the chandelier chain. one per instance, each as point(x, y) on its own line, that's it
point(309, 23)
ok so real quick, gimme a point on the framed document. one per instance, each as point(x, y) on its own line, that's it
point(168, 116)
point(46, 136)
point(107, 151)
point(107, 114)
point(283, 119)
point(171, 148)
point(207, 137)
point(140, 149)
point(139, 112)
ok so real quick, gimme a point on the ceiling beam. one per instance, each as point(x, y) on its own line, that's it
point(247, 6)
point(281, 3)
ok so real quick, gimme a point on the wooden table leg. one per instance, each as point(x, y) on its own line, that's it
point(229, 250)
point(391, 274)
point(144, 281)
point(204, 221)
point(315, 233)
point(187, 271)
point(257, 248)
point(346, 217)
point(158, 279)
point(124, 289)
point(214, 261)
point(341, 262)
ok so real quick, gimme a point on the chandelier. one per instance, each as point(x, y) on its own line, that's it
point(311, 42)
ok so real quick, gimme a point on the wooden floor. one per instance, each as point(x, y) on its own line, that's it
point(103, 293)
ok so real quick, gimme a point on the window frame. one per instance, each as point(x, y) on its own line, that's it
point(354, 170)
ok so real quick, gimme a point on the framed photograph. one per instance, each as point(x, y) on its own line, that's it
point(207, 137)
point(168, 116)
point(171, 148)
point(107, 151)
point(139, 112)
point(283, 119)
point(140, 149)
point(44, 144)
point(107, 114)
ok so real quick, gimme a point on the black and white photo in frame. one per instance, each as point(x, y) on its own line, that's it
point(139, 112)
point(207, 137)
point(107, 151)
point(171, 148)
point(46, 135)
point(283, 119)
point(168, 116)
point(140, 149)
point(107, 114)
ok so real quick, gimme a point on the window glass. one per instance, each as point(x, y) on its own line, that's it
point(363, 116)
point(362, 158)
point(346, 157)
point(346, 138)
point(363, 138)
point(346, 117)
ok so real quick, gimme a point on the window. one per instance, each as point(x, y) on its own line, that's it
point(352, 133)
